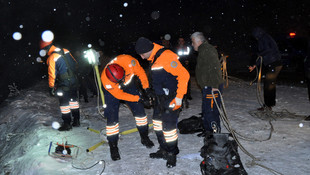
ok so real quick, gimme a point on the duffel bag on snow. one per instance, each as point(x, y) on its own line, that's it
point(190, 125)
point(220, 155)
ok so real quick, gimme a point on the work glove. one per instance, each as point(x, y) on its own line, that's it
point(121, 85)
point(150, 93)
point(145, 101)
point(52, 91)
point(176, 103)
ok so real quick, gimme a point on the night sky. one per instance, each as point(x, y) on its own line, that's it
point(112, 26)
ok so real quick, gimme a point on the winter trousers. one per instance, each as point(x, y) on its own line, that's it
point(308, 85)
point(112, 109)
point(69, 105)
point(270, 85)
point(165, 124)
point(83, 87)
point(210, 112)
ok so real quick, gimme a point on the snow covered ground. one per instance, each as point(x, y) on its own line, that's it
point(26, 133)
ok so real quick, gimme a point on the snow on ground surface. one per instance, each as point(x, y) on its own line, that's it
point(26, 133)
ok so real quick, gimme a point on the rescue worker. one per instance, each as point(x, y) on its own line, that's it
point(83, 74)
point(209, 78)
point(183, 52)
point(169, 82)
point(62, 81)
point(118, 82)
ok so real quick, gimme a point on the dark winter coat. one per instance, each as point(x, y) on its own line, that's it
point(208, 67)
point(61, 67)
point(307, 61)
point(267, 48)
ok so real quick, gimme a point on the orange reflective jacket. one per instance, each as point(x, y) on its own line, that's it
point(168, 61)
point(132, 68)
point(56, 64)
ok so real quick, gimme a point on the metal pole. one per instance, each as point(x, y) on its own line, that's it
point(99, 84)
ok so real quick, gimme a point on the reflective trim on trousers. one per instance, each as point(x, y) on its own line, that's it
point(74, 105)
point(112, 130)
point(210, 96)
point(65, 109)
point(171, 135)
point(141, 121)
point(157, 125)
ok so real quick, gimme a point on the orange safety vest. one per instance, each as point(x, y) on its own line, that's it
point(168, 61)
point(131, 67)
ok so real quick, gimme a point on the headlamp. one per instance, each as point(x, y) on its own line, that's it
point(59, 93)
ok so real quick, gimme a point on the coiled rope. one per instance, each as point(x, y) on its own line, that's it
point(227, 125)
point(98, 102)
point(258, 84)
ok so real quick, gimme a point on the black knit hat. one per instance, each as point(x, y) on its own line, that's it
point(143, 45)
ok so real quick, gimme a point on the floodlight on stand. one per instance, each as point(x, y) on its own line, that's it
point(93, 59)
point(92, 56)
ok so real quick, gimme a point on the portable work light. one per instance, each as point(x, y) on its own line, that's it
point(93, 59)
point(92, 56)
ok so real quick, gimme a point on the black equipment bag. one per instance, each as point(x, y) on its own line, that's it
point(190, 125)
point(220, 155)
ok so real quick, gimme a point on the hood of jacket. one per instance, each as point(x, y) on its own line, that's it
point(258, 32)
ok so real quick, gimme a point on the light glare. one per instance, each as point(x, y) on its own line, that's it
point(47, 36)
point(17, 36)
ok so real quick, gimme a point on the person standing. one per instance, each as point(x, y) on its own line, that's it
point(183, 51)
point(118, 81)
point(84, 69)
point(307, 69)
point(62, 81)
point(270, 56)
point(209, 78)
point(169, 82)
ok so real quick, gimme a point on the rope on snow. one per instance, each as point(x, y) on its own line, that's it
point(227, 125)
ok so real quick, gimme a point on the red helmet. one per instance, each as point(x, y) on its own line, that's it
point(115, 73)
point(44, 44)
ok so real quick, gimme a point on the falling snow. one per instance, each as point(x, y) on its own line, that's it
point(26, 132)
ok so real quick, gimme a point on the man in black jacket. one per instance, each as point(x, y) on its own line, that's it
point(271, 61)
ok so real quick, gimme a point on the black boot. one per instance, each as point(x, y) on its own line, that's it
point(160, 154)
point(66, 126)
point(76, 122)
point(171, 160)
point(145, 140)
point(76, 117)
point(114, 151)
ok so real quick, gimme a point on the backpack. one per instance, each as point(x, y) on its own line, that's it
point(69, 78)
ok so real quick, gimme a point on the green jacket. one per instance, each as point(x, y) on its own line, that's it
point(208, 68)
